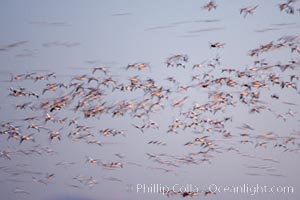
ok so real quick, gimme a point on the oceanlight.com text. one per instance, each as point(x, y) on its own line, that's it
point(249, 189)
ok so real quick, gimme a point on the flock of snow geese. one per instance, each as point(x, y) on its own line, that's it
point(67, 105)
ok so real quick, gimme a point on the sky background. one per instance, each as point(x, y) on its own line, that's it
point(71, 37)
